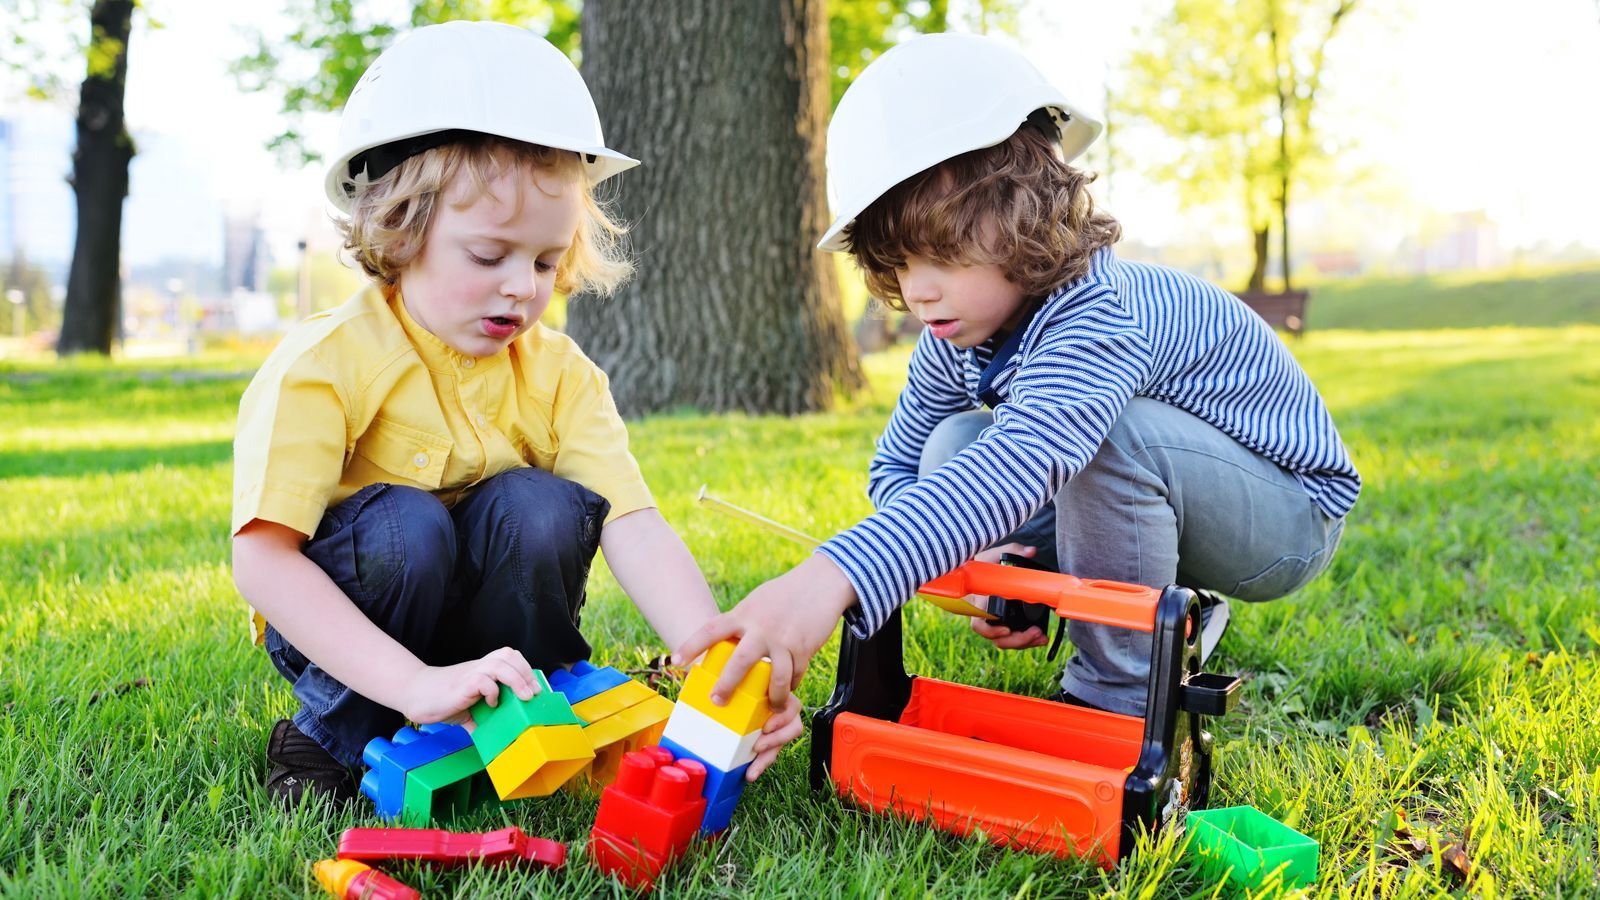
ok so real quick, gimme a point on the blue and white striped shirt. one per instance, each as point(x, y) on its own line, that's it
point(1123, 330)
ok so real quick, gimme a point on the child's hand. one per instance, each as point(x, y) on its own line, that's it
point(446, 693)
point(782, 726)
point(997, 634)
point(1005, 639)
point(785, 620)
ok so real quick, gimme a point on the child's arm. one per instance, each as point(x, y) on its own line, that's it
point(656, 570)
point(316, 617)
point(786, 620)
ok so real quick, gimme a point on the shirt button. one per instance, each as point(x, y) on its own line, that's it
point(482, 422)
point(421, 459)
point(468, 363)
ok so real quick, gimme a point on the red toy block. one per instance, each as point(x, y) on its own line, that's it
point(508, 846)
point(647, 816)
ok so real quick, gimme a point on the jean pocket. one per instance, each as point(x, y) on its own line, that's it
point(1279, 579)
point(285, 658)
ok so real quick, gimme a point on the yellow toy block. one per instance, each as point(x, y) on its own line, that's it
point(613, 701)
point(747, 709)
point(623, 732)
point(540, 761)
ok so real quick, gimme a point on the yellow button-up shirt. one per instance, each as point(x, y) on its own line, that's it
point(362, 394)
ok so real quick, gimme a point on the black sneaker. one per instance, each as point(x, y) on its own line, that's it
point(300, 766)
point(1062, 696)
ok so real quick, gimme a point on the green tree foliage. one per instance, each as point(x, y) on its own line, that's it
point(1233, 83)
point(42, 34)
point(860, 30)
point(317, 64)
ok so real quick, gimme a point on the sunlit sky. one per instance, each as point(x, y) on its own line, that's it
point(1452, 105)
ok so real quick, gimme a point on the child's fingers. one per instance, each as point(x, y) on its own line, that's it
point(487, 687)
point(758, 765)
point(990, 630)
point(1021, 640)
point(745, 654)
point(506, 672)
point(719, 628)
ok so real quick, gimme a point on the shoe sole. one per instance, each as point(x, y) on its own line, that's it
point(1214, 624)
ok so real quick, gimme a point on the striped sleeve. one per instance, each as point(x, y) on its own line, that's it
point(935, 390)
point(1070, 386)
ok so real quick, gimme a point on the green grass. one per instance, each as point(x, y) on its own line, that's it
point(1446, 666)
point(1564, 296)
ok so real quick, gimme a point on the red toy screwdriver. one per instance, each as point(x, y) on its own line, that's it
point(351, 880)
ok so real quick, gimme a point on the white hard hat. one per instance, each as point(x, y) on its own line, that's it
point(486, 77)
point(925, 101)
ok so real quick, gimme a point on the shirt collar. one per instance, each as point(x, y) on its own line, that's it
point(436, 354)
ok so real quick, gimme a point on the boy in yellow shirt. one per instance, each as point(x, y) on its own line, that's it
point(422, 475)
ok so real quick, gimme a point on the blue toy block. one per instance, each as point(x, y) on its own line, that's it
point(718, 817)
point(722, 790)
point(585, 681)
point(388, 761)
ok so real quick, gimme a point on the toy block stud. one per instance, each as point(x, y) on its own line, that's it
point(498, 727)
point(648, 816)
point(747, 709)
point(709, 740)
point(389, 761)
point(585, 681)
point(542, 759)
point(722, 791)
point(440, 789)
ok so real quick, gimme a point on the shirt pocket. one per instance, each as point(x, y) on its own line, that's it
point(536, 446)
point(415, 456)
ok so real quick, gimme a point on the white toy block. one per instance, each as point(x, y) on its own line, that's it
point(705, 737)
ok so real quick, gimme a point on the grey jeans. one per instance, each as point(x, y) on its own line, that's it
point(1167, 499)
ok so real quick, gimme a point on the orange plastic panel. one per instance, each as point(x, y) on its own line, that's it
point(961, 772)
point(1025, 723)
point(1106, 602)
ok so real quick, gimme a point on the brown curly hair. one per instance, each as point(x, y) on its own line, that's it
point(1015, 205)
point(389, 216)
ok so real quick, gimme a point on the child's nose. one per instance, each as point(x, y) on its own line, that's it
point(520, 283)
point(918, 288)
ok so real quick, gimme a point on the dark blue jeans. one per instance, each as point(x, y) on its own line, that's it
point(506, 566)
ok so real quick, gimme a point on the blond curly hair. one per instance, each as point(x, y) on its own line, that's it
point(389, 216)
point(1015, 205)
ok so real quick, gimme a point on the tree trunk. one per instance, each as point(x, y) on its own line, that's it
point(1258, 270)
point(1283, 227)
point(1281, 65)
point(733, 308)
point(100, 181)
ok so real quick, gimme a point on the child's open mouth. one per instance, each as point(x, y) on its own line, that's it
point(499, 326)
point(942, 328)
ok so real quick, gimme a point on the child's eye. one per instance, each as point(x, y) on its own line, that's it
point(542, 266)
point(486, 263)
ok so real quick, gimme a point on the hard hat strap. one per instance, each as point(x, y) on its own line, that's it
point(380, 160)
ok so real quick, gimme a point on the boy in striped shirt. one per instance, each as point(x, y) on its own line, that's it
point(1137, 423)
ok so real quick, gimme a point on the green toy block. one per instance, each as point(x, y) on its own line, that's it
point(1246, 846)
point(442, 788)
point(498, 727)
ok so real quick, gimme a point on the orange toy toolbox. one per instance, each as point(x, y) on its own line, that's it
point(1032, 774)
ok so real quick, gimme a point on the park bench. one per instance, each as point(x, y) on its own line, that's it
point(1286, 310)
